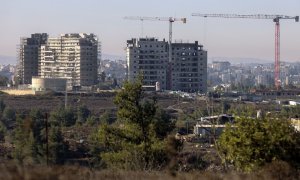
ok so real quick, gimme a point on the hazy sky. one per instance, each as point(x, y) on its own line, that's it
point(221, 37)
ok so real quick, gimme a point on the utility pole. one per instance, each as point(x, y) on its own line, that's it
point(47, 142)
point(66, 97)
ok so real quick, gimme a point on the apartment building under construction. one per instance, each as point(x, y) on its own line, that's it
point(72, 57)
point(69, 56)
point(189, 67)
point(149, 57)
point(27, 53)
point(186, 72)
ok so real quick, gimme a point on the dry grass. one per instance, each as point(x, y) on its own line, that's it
point(11, 171)
point(19, 92)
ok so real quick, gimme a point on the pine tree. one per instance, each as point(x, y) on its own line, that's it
point(58, 149)
point(8, 116)
point(63, 116)
point(133, 141)
point(82, 114)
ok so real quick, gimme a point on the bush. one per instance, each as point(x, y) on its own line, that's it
point(251, 143)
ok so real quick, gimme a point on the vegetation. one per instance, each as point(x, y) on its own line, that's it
point(3, 80)
point(251, 143)
point(274, 171)
point(136, 140)
point(8, 116)
point(31, 139)
point(63, 116)
point(82, 114)
point(138, 136)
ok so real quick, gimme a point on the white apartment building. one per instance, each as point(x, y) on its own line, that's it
point(72, 57)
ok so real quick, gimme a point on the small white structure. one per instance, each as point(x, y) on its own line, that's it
point(208, 129)
point(259, 114)
point(212, 125)
point(48, 84)
point(296, 123)
point(294, 103)
point(157, 86)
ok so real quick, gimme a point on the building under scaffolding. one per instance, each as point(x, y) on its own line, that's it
point(74, 57)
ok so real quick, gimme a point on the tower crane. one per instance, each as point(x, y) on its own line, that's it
point(169, 19)
point(276, 19)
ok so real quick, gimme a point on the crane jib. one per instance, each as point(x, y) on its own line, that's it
point(276, 19)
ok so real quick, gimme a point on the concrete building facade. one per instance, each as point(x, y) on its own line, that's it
point(220, 65)
point(150, 57)
point(72, 57)
point(28, 57)
point(189, 67)
point(48, 84)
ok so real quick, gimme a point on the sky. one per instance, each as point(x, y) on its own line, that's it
point(220, 37)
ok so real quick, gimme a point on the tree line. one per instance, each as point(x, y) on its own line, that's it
point(142, 135)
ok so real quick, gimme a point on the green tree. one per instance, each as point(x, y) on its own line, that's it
point(132, 142)
point(2, 131)
point(37, 128)
point(58, 149)
point(163, 123)
point(21, 135)
point(63, 116)
point(8, 116)
point(92, 120)
point(2, 106)
point(29, 138)
point(82, 113)
point(105, 118)
point(95, 148)
point(251, 143)
point(3, 80)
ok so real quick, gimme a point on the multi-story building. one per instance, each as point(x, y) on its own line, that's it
point(189, 67)
point(72, 57)
point(28, 57)
point(149, 57)
point(220, 65)
point(187, 71)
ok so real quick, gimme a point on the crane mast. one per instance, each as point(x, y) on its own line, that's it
point(171, 20)
point(276, 19)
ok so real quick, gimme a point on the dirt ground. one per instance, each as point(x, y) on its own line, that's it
point(97, 103)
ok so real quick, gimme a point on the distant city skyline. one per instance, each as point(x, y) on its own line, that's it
point(220, 37)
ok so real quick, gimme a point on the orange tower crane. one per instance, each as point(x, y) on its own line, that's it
point(276, 19)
